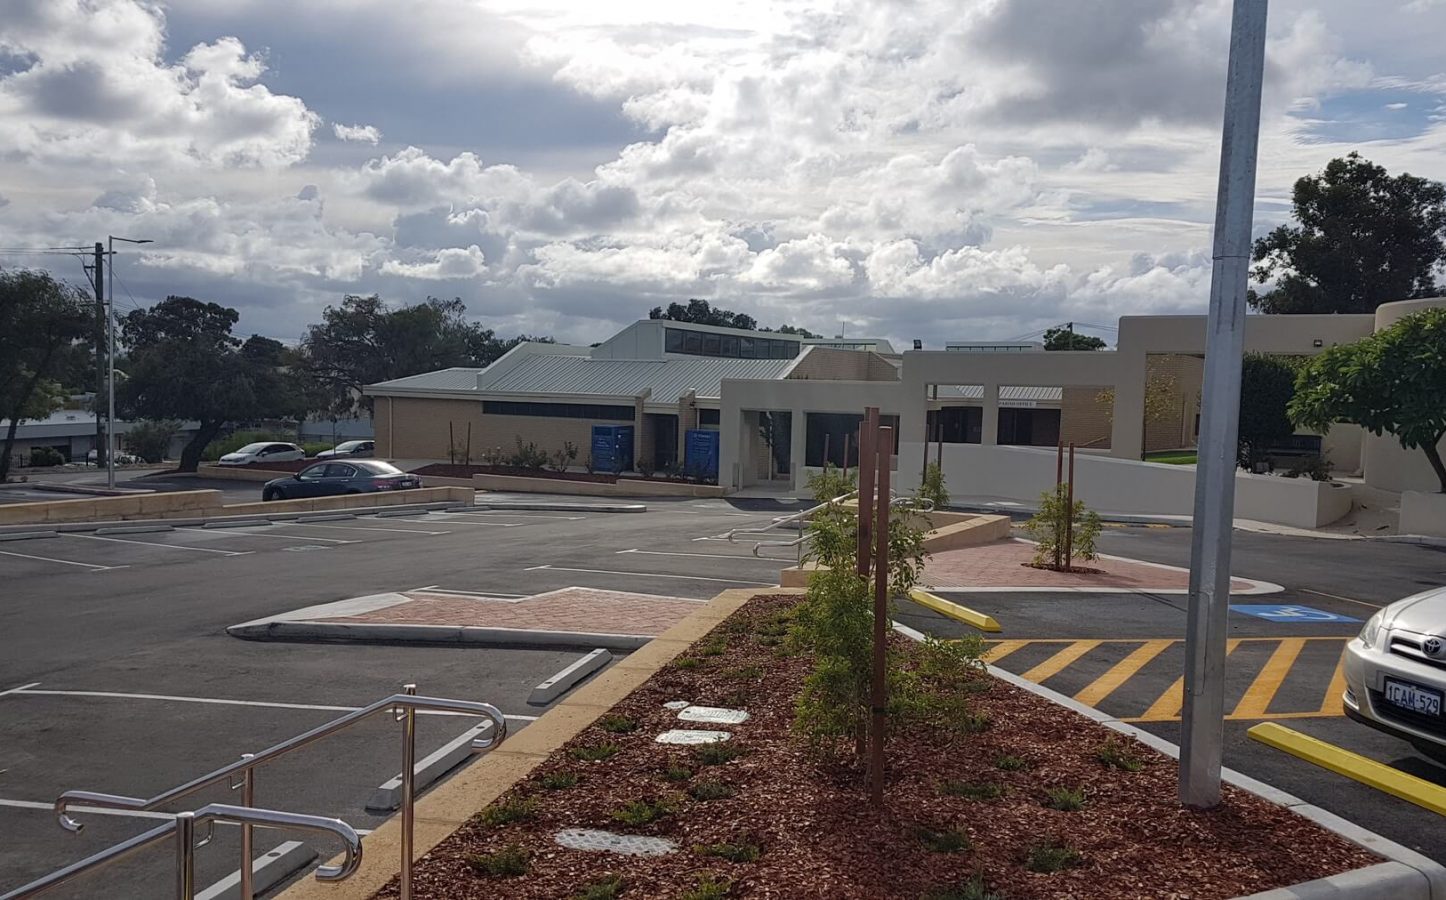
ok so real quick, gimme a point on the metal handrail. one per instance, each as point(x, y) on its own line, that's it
point(406, 704)
point(923, 503)
point(183, 826)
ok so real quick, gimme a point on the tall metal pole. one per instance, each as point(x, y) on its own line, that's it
point(100, 382)
point(878, 693)
point(110, 366)
point(1202, 720)
point(185, 855)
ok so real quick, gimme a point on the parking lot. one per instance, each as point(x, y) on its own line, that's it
point(119, 677)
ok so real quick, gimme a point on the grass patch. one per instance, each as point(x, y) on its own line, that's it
point(509, 811)
point(595, 752)
point(1172, 458)
point(714, 647)
point(1009, 763)
point(739, 853)
point(709, 887)
point(971, 723)
point(951, 840)
point(1115, 755)
point(617, 724)
point(973, 889)
point(984, 790)
point(608, 887)
point(1065, 799)
point(559, 781)
point(687, 662)
point(641, 812)
point(510, 861)
point(1051, 856)
point(718, 754)
point(711, 790)
point(743, 673)
point(677, 773)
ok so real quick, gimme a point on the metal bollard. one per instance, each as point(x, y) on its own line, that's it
point(409, 788)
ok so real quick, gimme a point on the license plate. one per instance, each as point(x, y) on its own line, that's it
point(1413, 697)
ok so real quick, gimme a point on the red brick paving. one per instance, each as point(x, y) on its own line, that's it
point(570, 609)
point(1002, 564)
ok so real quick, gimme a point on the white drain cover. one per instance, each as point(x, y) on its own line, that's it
point(608, 842)
point(715, 715)
point(676, 704)
point(681, 736)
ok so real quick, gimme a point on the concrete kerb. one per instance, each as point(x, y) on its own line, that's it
point(1406, 874)
point(447, 807)
point(563, 681)
point(203, 521)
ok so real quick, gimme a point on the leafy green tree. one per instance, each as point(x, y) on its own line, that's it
point(1363, 238)
point(701, 312)
point(1267, 384)
point(1391, 382)
point(40, 319)
point(1061, 338)
point(151, 439)
point(364, 341)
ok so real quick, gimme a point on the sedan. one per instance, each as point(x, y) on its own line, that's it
point(351, 449)
point(328, 479)
point(263, 452)
point(1396, 672)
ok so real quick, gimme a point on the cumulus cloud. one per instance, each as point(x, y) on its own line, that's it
point(448, 263)
point(366, 134)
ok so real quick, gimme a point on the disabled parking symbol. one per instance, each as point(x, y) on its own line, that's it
point(1290, 614)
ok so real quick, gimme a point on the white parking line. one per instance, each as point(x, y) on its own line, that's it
point(767, 559)
point(91, 537)
point(513, 515)
point(652, 575)
point(279, 537)
point(218, 701)
point(20, 688)
point(353, 528)
point(437, 590)
point(64, 562)
point(454, 521)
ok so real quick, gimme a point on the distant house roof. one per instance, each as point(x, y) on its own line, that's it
point(665, 379)
point(68, 423)
point(457, 378)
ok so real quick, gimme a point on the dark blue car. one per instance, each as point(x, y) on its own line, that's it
point(326, 479)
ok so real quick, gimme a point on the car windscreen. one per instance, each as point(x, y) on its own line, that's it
point(350, 445)
point(380, 468)
point(252, 448)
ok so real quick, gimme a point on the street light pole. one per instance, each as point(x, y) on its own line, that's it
point(110, 379)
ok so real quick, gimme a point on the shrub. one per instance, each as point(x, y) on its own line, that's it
point(1316, 467)
point(738, 853)
point(1050, 856)
point(151, 439)
point(932, 487)
point(510, 860)
point(973, 889)
point(588, 465)
point(718, 754)
point(1011, 763)
point(238, 439)
point(687, 662)
point(617, 724)
point(646, 468)
point(493, 456)
point(595, 752)
point(1049, 524)
point(714, 647)
point(641, 812)
point(528, 456)
point(506, 812)
point(564, 457)
point(608, 887)
point(971, 790)
point(557, 781)
point(46, 456)
point(677, 773)
point(711, 790)
point(710, 887)
point(1116, 755)
point(1065, 799)
point(950, 840)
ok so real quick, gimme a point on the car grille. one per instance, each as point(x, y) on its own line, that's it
point(1410, 647)
point(1432, 724)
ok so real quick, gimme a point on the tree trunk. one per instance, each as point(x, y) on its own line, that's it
point(1434, 456)
point(9, 445)
point(20, 403)
point(191, 453)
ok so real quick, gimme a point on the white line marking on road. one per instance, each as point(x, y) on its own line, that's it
point(218, 701)
point(513, 515)
point(354, 528)
point(91, 537)
point(23, 687)
point(63, 562)
point(1339, 597)
point(279, 537)
point(750, 558)
point(455, 521)
point(488, 595)
point(652, 575)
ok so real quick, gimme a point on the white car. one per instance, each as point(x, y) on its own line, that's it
point(349, 448)
point(262, 452)
point(1396, 672)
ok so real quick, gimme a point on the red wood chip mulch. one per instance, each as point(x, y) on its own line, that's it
point(817, 834)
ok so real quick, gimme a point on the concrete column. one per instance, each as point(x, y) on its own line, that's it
point(638, 431)
point(1127, 430)
point(989, 433)
point(798, 448)
point(732, 445)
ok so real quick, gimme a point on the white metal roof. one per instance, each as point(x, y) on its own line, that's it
point(666, 379)
point(458, 378)
point(1011, 392)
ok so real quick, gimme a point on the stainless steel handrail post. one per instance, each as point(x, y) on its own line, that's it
point(185, 855)
point(409, 788)
point(248, 799)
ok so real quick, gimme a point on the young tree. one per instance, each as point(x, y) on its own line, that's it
point(1363, 238)
point(1267, 384)
point(1067, 339)
point(1391, 382)
point(40, 318)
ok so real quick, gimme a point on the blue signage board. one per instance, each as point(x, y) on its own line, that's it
point(1291, 615)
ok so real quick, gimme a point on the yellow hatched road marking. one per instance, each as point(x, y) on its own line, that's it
point(1332, 705)
point(1169, 704)
point(1121, 672)
point(1263, 689)
point(1061, 660)
point(1002, 649)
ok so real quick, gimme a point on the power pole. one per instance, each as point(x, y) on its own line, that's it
point(100, 336)
point(1203, 716)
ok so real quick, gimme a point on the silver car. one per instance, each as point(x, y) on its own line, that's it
point(1396, 672)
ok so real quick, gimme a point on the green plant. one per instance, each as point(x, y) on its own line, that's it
point(493, 456)
point(932, 486)
point(1010, 763)
point(514, 809)
point(711, 790)
point(949, 840)
point(1065, 799)
point(641, 812)
point(743, 673)
point(1267, 383)
point(509, 861)
point(588, 465)
point(528, 456)
point(677, 773)
point(710, 887)
point(719, 753)
point(595, 752)
point(608, 887)
point(646, 468)
point(311, 448)
point(971, 790)
point(617, 724)
point(564, 457)
point(1115, 755)
point(1050, 856)
point(831, 483)
point(557, 781)
point(687, 662)
point(1048, 526)
point(41, 457)
point(973, 889)
point(238, 439)
point(713, 647)
point(151, 439)
point(739, 853)
point(1316, 467)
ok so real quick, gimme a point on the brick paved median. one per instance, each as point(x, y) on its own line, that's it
point(573, 609)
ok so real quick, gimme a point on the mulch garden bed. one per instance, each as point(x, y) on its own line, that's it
point(777, 821)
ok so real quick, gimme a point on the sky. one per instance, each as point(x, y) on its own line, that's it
point(932, 169)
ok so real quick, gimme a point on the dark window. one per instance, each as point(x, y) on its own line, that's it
point(1029, 427)
point(747, 348)
point(692, 342)
point(674, 342)
point(712, 345)
point(712, 417)
point(835, 431)
point(337, 470)
point(961, 424)
point(730, 345)
point(559, 410)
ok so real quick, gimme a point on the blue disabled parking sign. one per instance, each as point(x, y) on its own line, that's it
point(1291, 614)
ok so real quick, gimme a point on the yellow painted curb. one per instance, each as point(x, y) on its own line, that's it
point(954, 611)
point(1380, 776)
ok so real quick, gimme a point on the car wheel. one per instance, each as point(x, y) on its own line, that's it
point(270, 494)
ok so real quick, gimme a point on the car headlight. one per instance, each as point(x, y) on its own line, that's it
point(1371, 629)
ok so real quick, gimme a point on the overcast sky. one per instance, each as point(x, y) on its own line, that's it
point(940, 169)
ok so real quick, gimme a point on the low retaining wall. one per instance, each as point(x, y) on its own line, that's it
point(240, 473)
point(625, 487)
point(354, 501)
point(1423, 513)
